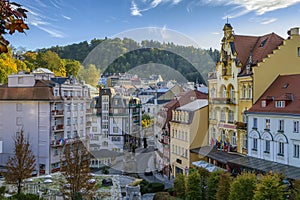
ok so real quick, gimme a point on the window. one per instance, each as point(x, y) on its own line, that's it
point(56, 93)
point(281, 125)
point(230, 116)
point(296, 126)
point(298, 51)
point(105, 107)
point(224, 92)
point(296, 150)
point(222, 116)
point(245, 142)
point(213, 93)
point(19, 107)
point(280, 104)
point(105, 98)
point(20, 80)
point(250, 92)
point(244, 92)
point(254, 122)
point(19, 121)
point(281, 149)
point(267, 149)
point(263, 103)
point(94, 129)
point(233, 138)
point(68, 121)
point(115, 129)
point(268, 124)
point(254, 143)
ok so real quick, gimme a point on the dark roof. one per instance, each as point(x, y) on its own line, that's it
point(284, 88)
point(266, 166)
point(211, 152)
point(42, 90)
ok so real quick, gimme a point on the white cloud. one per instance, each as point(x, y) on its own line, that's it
point(66, 17)
point(137, 9)
point(215, 33)
point(263, 20)
point(260, 7)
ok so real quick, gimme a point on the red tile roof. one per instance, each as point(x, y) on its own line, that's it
point(284, 88)
point(42, 90)
point(260, 46)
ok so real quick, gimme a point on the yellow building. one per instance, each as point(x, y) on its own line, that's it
point(189, 126)
point(231, 86)
point(284, 61)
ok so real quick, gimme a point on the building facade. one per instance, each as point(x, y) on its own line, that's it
point(273, 128)
point(231, 86)
point(51, 111)
point(189, 130)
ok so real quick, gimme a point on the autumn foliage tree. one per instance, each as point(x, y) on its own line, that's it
point(22, 164)
point(77, 181)
point(12, 17)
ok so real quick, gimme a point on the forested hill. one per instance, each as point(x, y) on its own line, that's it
point(121, 55)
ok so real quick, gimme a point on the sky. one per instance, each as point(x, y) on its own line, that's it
point(63, 22)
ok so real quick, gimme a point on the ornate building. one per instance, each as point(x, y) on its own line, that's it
point(231, 86)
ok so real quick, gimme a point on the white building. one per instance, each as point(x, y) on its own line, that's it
point(273, 123)
point(51, 111)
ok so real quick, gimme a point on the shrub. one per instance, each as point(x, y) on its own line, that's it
point(163, 196)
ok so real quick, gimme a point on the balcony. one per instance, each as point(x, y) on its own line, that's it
point(58, 113)
point(241, 125)
point(223, 101)
point(59, 127)
point(57, 143)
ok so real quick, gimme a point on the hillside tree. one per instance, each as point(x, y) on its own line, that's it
point(22, 164)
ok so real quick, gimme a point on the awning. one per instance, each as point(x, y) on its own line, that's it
point(266, 166)
point(218, 155)
point(209, 167)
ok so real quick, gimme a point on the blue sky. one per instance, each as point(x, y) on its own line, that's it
point(62, 22)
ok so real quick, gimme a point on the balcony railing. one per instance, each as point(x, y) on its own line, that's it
point(223, 101)
point(57, 112)
point(241, 125)
point(57, 143)
point(59, 127)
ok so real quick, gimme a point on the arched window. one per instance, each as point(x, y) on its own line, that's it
point(250, 91)
point(222, 116)
point(213, 93)
point(230, 116)
point(232, 94)
point(224, 92)
point(244, 91)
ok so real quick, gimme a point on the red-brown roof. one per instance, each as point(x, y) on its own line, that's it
point(259, 46)
point(284, 88)
point(42, 90)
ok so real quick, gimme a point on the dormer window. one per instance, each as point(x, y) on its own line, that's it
point(263, 103)
point(279, 104)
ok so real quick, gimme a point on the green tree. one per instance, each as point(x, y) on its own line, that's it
point(204, 175)
point(7, 66)
point(90, 74)
point(179, 186)
point(212, 185)
point(72, 67)
point(270, 187)
point(193, 190)
point(296, 189)
point(12, 18)
point(51, 61)
point(22, 164)
point(243, 187)
point(223, 190)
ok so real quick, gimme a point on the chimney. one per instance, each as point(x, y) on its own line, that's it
point(293, 31)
